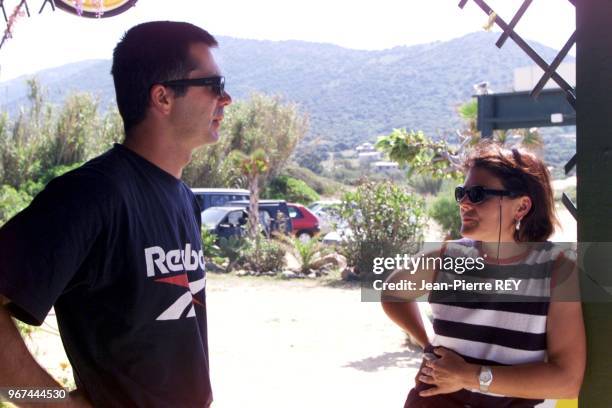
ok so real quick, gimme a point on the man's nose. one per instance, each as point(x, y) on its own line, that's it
point(465, 203)
point(225, 99)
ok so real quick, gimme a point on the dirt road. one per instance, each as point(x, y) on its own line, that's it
point(296, 343)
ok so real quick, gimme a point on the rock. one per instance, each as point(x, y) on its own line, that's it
point(242, 272)
point(325, 270)
point(289, 275)
point(291, 262)
point(312, 275)
point(347, 274)
point(213, 267)
point(336, 260)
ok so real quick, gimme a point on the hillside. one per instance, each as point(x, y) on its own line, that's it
point(350, 95)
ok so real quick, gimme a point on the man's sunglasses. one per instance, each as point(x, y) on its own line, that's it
point(217, 83)
point(478, 194)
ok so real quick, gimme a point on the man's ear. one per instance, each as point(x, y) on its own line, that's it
point(161, 98)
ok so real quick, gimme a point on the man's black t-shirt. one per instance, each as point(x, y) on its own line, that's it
point(115, 246)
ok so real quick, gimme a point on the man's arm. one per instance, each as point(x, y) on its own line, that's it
point(19, 369)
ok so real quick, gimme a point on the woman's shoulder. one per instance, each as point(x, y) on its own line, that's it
point(552, 252)
point(463, 247)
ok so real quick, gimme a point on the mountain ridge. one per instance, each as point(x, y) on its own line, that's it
point(350, 95)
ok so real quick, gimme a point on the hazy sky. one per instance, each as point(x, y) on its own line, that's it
point(55, 38)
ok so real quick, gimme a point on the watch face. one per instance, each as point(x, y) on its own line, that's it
point(486, 376)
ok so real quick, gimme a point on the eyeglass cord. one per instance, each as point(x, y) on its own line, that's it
point(500, 227)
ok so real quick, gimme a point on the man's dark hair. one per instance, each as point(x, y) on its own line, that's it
point(148, 54)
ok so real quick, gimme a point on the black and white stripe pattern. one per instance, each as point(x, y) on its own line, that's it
point(496, 329)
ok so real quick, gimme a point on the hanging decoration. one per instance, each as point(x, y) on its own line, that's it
point(20, 10)
point(83, 8)
point(95, 8)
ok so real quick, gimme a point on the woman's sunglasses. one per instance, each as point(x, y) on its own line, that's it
point(477, 194)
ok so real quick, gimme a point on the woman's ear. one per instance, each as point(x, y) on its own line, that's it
point(523, 207)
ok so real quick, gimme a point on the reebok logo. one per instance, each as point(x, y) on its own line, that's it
point(175, 260)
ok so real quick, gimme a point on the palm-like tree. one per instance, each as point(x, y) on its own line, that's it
point(252, 167)
point(530, 139)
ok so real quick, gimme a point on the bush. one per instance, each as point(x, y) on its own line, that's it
point(210, 249)
point(231, 248)
point(308, 252)
point(262, 255)
point(290, 189)
point(321, 185)
point(384, 220)
point(425, 184)
point(11, 202)
point(445, 211)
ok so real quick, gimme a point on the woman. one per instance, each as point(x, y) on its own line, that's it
point(497, 352)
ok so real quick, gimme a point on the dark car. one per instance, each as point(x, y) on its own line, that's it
point(304, 223)
point(217, 197)
point(276, 209)
point(227, 222)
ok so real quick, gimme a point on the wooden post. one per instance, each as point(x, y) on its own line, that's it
point(594, 190)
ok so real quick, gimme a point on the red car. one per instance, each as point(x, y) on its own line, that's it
point(305, 224)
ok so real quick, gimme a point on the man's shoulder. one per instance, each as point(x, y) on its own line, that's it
point(96, 178)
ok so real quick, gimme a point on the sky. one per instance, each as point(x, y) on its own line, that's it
point(55, 38)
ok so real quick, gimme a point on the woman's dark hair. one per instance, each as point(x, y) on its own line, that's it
point(523, 172)
point(148, 54)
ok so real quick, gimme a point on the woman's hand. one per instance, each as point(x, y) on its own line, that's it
point(449, 373)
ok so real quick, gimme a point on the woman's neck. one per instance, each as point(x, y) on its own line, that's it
point(504, 250)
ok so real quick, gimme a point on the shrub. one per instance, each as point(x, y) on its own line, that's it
point(231, 248)
point(290, 189)
point(384, 220)
point(445, 211)
point(308, 252)
point(321, 185)
point(209, 247)
point(262, 255)
point(11, 202)
point(425, 184)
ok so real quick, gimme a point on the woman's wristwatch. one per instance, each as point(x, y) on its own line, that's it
point(485, 378)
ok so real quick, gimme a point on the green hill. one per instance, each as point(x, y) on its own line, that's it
point(350, 95)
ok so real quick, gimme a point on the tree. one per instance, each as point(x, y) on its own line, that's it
point(423, 155)
point(261, 122)
point(43, 137)
point(528, 138)
point(252, 167)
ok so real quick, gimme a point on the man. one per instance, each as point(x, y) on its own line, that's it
point(115, 245)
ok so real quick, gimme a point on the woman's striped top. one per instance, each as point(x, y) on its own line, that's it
point(496, 327)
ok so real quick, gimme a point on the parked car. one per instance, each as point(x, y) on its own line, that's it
point(324, 204)
point(337, 237)
point(227, 222)
point(328, 214)
point(276, 209)
point(217, 197)
point(304, 223)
